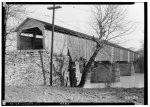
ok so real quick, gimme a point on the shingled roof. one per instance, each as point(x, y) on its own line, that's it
point(70, 32)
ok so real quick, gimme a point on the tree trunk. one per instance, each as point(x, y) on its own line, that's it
point(87, 67)
point(62, 80)
point(43, 71)
point(72, 72)
point(72, 75)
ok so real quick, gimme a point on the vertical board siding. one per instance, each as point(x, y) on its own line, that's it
point(135, 57)
point(79, 41)
point(112, 54)
point(60, 43)
point(128, 56)
point(125, 55)
point(92, 48)
point(107, 52)
point(121, 55)
point(104, 54)
point(73, 48)
point(89, 49)
point(131, 56)
point(101, 56)
point(77, 47)
point(116, 54)
point(82, 48)
point(86, 49)
point(48, 37)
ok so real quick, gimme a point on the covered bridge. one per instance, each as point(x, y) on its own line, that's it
point(34, 34)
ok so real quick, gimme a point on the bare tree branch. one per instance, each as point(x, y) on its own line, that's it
point(108, 23)
point(14, 15)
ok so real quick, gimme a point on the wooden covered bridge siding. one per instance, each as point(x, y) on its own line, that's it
point(78, 44)
point(80, 47)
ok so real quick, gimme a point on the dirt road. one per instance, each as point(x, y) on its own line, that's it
point(67, 94)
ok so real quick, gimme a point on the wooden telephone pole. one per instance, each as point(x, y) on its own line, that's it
point(51, 62)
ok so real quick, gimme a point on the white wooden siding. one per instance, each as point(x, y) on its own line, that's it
point(59, 43)
point(48, 39)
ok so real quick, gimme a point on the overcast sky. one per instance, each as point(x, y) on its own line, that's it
point(78, 18)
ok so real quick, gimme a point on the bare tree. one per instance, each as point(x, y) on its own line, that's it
point(14, 15)
point(59, 71)
point(109, 23)
point(139, 63)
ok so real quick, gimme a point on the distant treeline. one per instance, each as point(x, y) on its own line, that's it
point(140, 62)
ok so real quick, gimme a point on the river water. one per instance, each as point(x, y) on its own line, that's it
point(137, 80)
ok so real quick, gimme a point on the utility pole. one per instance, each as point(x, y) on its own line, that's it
point(51, 62)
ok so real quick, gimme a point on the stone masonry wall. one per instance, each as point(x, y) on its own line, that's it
point(126, 69)
point(27, 67)
point(101, 74)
